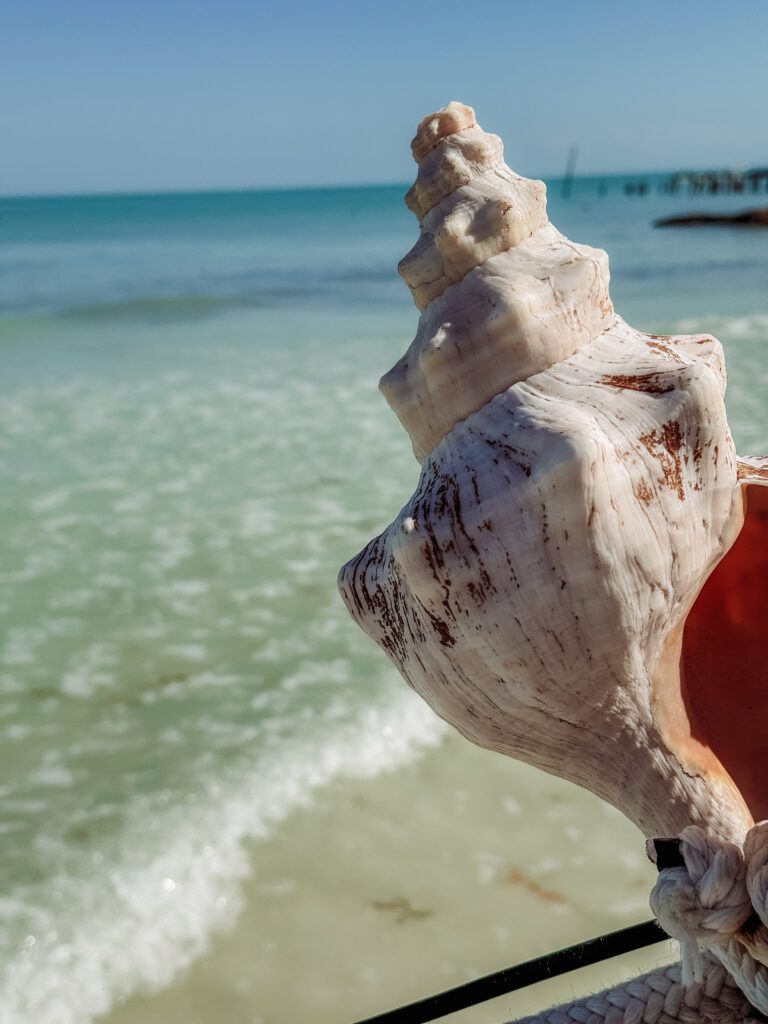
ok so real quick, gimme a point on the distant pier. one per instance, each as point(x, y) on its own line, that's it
point(720, 182)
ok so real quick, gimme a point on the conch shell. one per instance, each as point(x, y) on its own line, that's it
point(580, 579)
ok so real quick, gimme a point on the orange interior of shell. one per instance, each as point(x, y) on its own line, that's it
point(724, 659)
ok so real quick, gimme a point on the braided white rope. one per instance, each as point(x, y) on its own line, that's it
point(659, 997)
point(756, 857)
point(707, 902)
point(748, 972)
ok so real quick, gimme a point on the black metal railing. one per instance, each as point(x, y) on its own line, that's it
point(511, 979)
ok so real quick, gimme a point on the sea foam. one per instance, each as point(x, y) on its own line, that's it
point(131, 926)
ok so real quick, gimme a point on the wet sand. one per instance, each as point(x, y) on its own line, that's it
point(352, 908)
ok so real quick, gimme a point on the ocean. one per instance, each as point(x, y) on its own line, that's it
point(220, 802)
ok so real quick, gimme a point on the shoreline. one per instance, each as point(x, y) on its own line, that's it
point(420, 908)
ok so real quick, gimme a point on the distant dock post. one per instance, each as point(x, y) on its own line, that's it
point(570, 169)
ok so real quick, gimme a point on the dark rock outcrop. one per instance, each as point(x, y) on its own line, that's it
point(754, 218)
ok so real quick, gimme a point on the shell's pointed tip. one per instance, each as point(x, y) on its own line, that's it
point(435, 127)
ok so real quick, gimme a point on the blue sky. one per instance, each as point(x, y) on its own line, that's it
point(118, 95)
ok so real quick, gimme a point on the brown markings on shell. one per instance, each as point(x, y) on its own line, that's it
point(448, 500)
point(515, 455)
point(606, 306)
point(643, 492)
point(392, 609)
point(440, 626)
point(665, 445)
point(650, 383)
point(664, 350)
point(744, 471)
point(383, 605)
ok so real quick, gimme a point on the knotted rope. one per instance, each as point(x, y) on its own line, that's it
point(715, 897)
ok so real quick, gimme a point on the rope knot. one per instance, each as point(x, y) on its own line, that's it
point(705, 901)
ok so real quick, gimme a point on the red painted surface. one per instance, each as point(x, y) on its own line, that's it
point(725, 659)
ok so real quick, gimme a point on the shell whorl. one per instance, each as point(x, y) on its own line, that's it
point(503, 294)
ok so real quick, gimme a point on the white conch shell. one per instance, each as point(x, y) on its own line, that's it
point(579, 486)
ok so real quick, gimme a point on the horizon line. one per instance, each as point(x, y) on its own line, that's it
point(335, 187)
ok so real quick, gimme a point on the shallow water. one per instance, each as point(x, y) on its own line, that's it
point(213, 784)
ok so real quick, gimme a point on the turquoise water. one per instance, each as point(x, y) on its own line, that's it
point(191, 443)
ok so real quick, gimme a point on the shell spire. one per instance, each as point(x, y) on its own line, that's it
point(580, 579)
point(503, 294)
